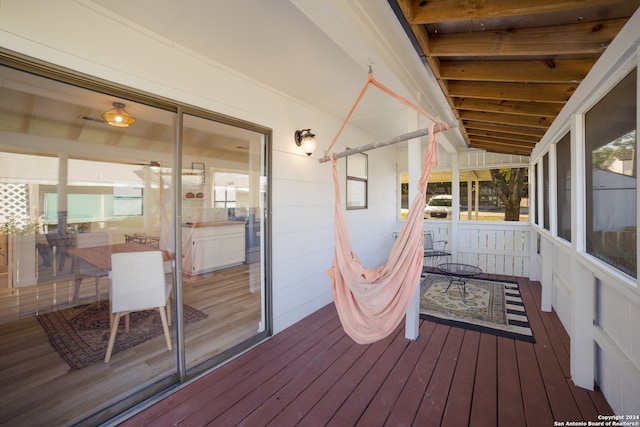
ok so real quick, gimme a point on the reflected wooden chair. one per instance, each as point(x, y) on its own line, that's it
point(137, 284)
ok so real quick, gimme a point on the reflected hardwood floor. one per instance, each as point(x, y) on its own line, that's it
point(38, 386)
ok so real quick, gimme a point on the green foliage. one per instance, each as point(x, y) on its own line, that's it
point(617, 148)
point(12, 227)
point(508, 184)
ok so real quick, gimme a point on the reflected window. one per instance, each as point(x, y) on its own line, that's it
point(611, 178)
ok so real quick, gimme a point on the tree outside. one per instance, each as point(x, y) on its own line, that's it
point(509, 186)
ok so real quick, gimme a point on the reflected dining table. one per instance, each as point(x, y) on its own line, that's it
point(100, 257)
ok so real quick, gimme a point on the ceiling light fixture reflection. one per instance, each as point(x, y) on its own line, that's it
point(118, 116)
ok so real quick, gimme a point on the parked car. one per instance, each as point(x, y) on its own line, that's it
point(438, 207)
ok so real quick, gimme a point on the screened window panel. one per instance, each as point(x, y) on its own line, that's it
point(563, 166)
point(611, 179)
point(545, 191)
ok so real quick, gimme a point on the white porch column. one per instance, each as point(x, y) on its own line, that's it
point(414, 161)
point(455, 207)
point(547, 274)
point(582, 356)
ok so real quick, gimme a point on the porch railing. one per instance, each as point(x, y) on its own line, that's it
point(495, 247)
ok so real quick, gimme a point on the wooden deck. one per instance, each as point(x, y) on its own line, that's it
point(313, 374)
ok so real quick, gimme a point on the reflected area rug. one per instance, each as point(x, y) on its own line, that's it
point(81, 334)
point(492, 307)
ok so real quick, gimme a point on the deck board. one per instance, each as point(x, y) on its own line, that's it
point(313, 374)
point(534, 398)
point(360, 397)
point(326, 406)
point(434, 401)
point(241, 383)
point(510, 404)
point(387, 396)
point(458, 408)
point(563, 405)
point(484, 406)
point(409, 400)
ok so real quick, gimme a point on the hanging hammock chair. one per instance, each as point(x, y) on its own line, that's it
point(372, 302)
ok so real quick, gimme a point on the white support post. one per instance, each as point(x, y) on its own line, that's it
point(534, 270)
point(414, 153)
point(455, 217)
point(582, 356)
point(547, 274)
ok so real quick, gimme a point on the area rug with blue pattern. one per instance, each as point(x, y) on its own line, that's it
point(489, 306)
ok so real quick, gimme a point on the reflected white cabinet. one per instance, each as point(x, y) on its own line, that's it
point(212, 247)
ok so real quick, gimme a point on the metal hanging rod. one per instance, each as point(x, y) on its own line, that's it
point(379, 144)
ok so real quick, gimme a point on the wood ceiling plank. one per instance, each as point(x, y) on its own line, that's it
point(546, 109)
point(505, 129)
point(502, 136)
point(539, 71)
point(497, 148)
point(426, 12)
point(538, 92)
point(525, 145)
point(406, 6)
point(590, 38)
point(508, 119)
point(503, 143)
point(508, 67)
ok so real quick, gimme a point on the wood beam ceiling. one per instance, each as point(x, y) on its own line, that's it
point(507, 68)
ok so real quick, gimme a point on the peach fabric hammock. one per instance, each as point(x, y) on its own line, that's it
point(372, 302)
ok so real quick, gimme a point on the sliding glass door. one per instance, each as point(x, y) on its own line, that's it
point(75, 190)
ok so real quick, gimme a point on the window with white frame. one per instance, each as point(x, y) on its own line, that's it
point(357, 181)
point(611, 177)
point(545, 191)
point(563, 187)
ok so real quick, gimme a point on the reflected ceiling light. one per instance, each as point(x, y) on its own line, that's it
point(118, 116)
point(305, 139)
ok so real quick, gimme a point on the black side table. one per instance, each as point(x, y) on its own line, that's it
point(459, 275)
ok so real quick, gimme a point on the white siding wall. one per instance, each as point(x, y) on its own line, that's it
point(302, 189)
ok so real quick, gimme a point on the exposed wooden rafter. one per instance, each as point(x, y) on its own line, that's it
point(507, 68)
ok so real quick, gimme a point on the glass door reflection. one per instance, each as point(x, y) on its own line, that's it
point(223, 263)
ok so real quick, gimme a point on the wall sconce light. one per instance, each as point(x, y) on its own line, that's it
point(305, 139)
point(118, 116)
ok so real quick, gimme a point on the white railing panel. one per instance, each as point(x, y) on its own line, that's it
point(495, 247)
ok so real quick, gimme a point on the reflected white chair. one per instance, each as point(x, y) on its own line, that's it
point(137, 284)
